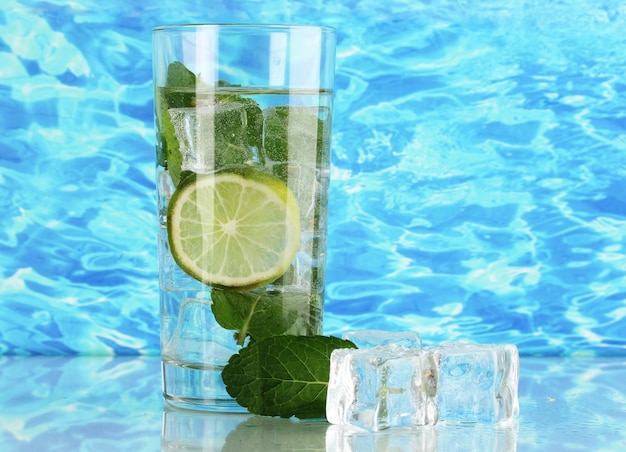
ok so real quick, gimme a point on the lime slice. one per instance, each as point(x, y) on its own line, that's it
point(236, 229)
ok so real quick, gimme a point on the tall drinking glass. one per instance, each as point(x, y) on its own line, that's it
point(243, 121)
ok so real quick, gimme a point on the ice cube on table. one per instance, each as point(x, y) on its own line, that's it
point(477, 382)
point(374, 338)
point(381, 387)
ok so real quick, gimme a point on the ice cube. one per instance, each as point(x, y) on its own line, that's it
point(374, 338)
point(198, 338)
point(381, 387)
point(213, 136)
point(477, 382)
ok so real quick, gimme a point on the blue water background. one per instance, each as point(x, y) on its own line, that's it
point(478, 181)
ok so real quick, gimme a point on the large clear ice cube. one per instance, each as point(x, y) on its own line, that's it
point(375, 338)
point(477, 382)
point(381, 387)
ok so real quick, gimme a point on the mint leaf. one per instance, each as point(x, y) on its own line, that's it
point(238, 131)
point(260, 314)
point(179, 76)
point(283, 375)
point(179, 92)
point(295, 134)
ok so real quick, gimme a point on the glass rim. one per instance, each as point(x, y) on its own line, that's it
point(235, 25)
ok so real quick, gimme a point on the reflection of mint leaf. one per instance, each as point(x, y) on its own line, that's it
point(260, 314)
point(283, 375)
point(257, 432)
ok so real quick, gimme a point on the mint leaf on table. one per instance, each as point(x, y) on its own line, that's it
point(260, 314)
point(283, 375)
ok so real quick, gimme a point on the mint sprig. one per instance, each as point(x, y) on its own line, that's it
point(283, 375)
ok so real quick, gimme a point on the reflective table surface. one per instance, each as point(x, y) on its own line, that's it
point(115, 404)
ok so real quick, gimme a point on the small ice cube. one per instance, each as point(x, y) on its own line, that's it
point(375, 338)
point(198, 338)
point(381, 387)
point(477, 382)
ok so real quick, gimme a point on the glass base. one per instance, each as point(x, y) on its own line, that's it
point(197, 388)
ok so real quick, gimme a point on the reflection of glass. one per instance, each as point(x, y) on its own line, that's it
point(196, 430)
point(214, 432)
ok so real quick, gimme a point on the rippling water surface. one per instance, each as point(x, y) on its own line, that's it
point(479, 171)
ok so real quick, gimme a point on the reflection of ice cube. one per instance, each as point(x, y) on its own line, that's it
point(341, 438)
point(198, 338)
point(477, 382)
point(477, 437)
point(195, 129)
point(381, 387)
point(375, 338)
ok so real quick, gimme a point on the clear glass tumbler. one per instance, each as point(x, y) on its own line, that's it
point(243, 124)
